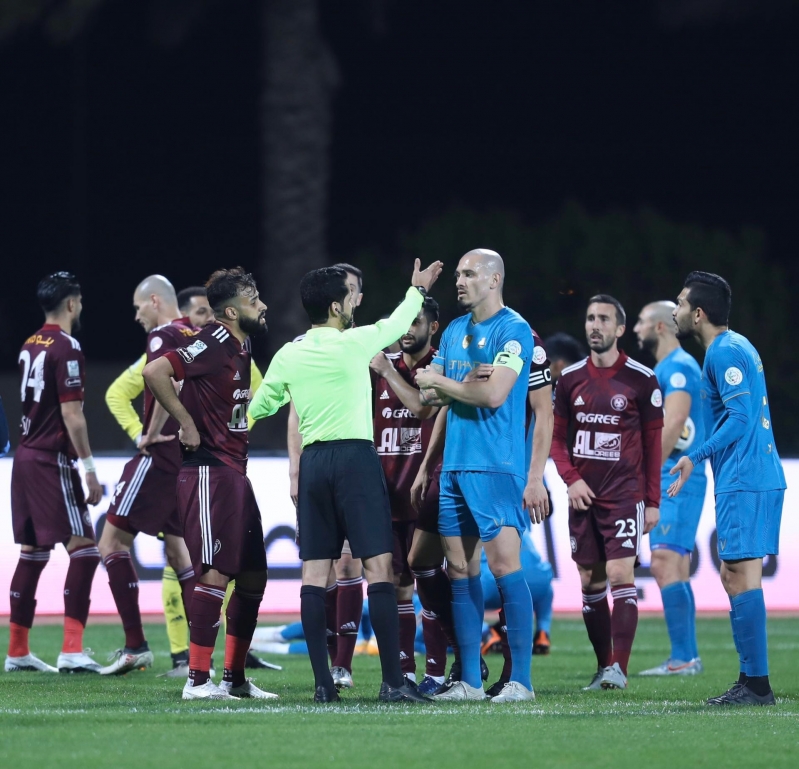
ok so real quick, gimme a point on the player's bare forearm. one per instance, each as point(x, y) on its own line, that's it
point(77, 429)
point(411, 397)
point(489, 393)
point(293, 440)
point(677, 409)
point(158, 377)
point(437, 438)
point(541, 404)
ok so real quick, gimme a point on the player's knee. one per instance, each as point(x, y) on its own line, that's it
point(620, 573)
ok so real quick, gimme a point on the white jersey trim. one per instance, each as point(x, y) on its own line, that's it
point(574, 366)
point(633, 364)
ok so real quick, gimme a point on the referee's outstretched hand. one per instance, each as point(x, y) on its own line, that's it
point(425, 278)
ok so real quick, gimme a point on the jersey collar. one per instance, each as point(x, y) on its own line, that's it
point(607, 373)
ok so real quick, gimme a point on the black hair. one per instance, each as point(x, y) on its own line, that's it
point(621, 316)
point(430, 308)
point(224, 285)
point(712, 293)
point(55, 288)
point(562, 346)
point(352, 271)
point(320, 288)
point(187, 294)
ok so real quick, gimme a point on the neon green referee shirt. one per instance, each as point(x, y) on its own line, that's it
point(326, 374)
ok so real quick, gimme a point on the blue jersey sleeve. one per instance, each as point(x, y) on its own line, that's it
point(679, 377)
point(514, 345)
point(731, 373)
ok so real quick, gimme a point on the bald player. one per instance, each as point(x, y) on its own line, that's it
point(144, 499)
point(484, 472)
point(672, 540)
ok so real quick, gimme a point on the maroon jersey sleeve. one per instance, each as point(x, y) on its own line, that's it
point(559, 450)
point(70, 373)
point(540, 375)
point(650, 405)
point(198, 359)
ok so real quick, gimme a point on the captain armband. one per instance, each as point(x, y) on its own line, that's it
point(509, 360)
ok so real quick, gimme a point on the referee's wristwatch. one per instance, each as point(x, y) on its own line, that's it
point(421, 290)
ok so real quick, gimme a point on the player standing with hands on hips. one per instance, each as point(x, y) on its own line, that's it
point(748, 477)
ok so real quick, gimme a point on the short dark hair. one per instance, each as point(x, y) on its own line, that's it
point(320, 288)
point(621, 316)
point(187, 294)
point(430, 308)
point(352, 271)
point(224, 285)
point(55, 288)
point(562, 346)
point(712, 293)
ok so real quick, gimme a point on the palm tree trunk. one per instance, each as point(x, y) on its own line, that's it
point(300, 78)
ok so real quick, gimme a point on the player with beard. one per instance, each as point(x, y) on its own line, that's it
point(613, 408)
point(143, 499)
point(48, 504)
point(672, 540)
point(402, 433)
point(217, 506)
point(749, 482)
point(344, 596)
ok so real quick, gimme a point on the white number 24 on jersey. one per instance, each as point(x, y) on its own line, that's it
point(32, 375)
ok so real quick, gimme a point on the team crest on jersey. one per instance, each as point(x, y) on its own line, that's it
point(657, 398)
point(481, 344)
point(619, 402)
point(467, 340)
point(156, 343)
point(733, 376)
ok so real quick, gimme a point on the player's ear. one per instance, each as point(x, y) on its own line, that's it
point(620, 329)
point(433, 328)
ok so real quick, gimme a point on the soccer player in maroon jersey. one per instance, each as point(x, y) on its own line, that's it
point(217, 506)
point(402, 426)
point(144, 498)
point(48, 504)
point(612, 408)
point(344, 595)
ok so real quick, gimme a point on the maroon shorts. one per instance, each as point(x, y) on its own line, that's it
point(145, 500)
point(221, 520)
point(48, 505)
point(599, 534)
point(402, 532)
point(428, 515)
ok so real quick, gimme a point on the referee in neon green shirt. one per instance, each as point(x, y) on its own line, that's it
point(342, 492)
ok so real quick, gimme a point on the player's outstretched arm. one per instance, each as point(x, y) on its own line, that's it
point(536, 499)
point(120, 396)
point(75, 422)
point(158, 375)
point(272, 394)
point(431, 458)
point(255, 382)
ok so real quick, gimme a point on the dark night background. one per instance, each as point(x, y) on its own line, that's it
point(597, 146)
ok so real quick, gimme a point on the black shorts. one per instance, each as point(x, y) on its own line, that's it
point(342, 495)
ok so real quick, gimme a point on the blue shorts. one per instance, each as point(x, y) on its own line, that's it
point(748, 524)
point(479, 504)
point(679, 519)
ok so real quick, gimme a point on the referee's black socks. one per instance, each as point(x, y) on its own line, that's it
point(314, 626)
point(385, 622)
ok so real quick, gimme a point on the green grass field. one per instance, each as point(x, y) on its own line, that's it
point(140, 721)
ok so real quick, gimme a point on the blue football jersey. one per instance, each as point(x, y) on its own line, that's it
point(484, 439)
point(679, 372)
point(733, 371)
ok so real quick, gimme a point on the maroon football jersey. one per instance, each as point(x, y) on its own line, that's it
point(605, 411)
point(52, 371)
point(401, 438)
point(215, 369)
point(161, 340)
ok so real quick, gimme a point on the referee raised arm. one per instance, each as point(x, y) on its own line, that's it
point(342, 492)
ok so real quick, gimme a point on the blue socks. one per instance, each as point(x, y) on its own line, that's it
point(518, 607)
point(692, 619)
point(680, 620)
point(749, 632)
point(467, 616)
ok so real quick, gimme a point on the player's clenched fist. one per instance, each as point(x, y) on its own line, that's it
point(189, 437)
point(580, 496)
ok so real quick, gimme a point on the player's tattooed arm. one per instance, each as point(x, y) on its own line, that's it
point(411, 397)
point(75, 422)
point(431, 459)
point(536, 499)
point(158, 375)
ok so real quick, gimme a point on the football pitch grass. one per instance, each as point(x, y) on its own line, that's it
point(140, 721)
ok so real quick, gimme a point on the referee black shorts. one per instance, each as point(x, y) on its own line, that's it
point(342, 495)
